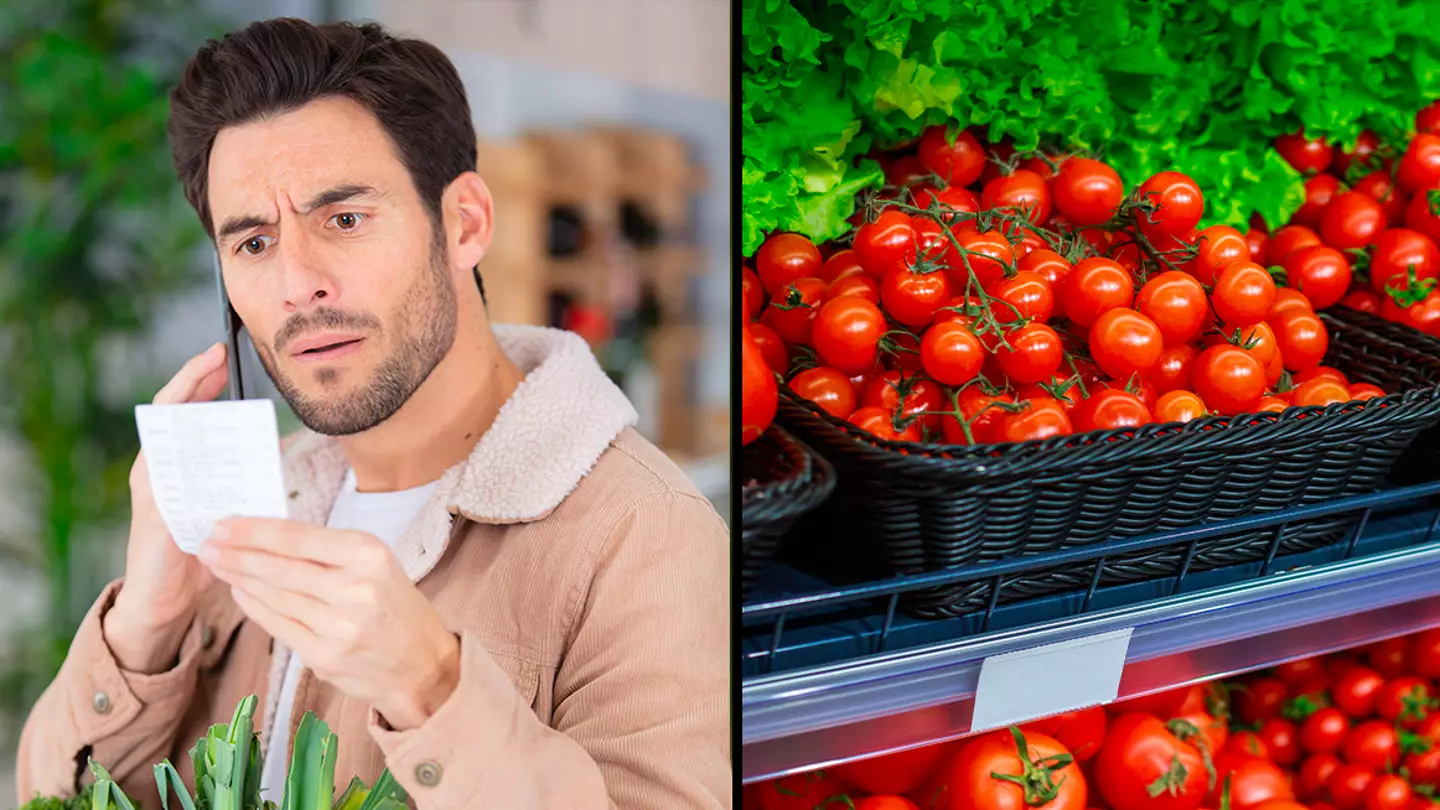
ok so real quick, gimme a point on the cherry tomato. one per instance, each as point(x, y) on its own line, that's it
point(1282, 740)
point(1247, 743)
point(909, 394)
point(827, 388)
point(1049, 265)
point(1287, 239)
point(843, 263)
point(1351, 220)
point(1087, 191)
point(1300, 670)
point(1321, 392)
point(1428, 119)
point(1321, 272)
point(1260, 700)
point(1094, 286)
point(1381, 187)
point(772, 348)
point(951, 353)
point(800, 792)
point(760, 394)
point(1423, 766)
point(1243, 294)
point(1034, 354)
point(1176, 303)
point(1257, 339)
point(1215, 731)
point(953, 201)
point(1356, 691)
point(1179, 202)
point(784, 259)
point(977, 775)
point(1286, 299)
point(1172, 372)
point(1404, 701)
point(847, 334)
point(906, 171)
point(1259, 243)
point(956, 157)
point(1365, 145)
point(1397, 250)
point(1022, 191)
point(1143, 766)
point(1302, 338)
point(1319, 191)
point(1218, 245)
point(1179, 406)
point(1423, 213)
point(1374, 744)
point(1253, 782)
point(1081, 731)
point(989, 254)
point(1322, 373)
point(960, 309)
point(752, 295)
point(1348, 786)
point(1423, 315)
point(1027, 294)
point(1109, 409)
point(1324, 731)
point(1424, 649)
point(912, 296)
point(862, 285)
point(1045, 417)
point(897, 773)
point(1363, 300)
point(887, 425)
point(792, 311)
point(1315, 772)
point(1364, 391)
point(1388, 791)
point(1271, 404)
point(1228, 379)
point(886, 244)
point(1308, 156)
point(1124, 342)
point(982, 414)
point(1420, 165)
point(887, 801)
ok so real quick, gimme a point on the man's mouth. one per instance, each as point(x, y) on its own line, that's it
point(325, 348)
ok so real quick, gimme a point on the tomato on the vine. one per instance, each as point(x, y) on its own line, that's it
point(1243, 294)
point(861, 285)
point(752, 295)
point(1282, 740)
point(840, 264)
point(1420, 165)
point(1321, 272)
point(988, 253)
point(785, 258)
point(1374, 744)
point(911, 296)
point(1319, 191)
point(1040, 418)
point(1356, 691)
point(957, 159)
point(1257, 339)
point(1381, 187)
point(1218, 245)
point(1022, 192)
point(1362, 300)
point(1228, 379)
point(909, 394)
point(1024, 295)
point(1321, 392)
point(1172, 372)
point(804, 791)
point(1397, 251)
point(847, 334)
point(1259, 242)
point(1315, 772)
point(1324, 731)
point(1287, 299)
point(1094, 286)
point(886, 244)
point(1302, 338)
point(772, 347)
point(1365, 145)
point(1252, 782)
point(1081, 731)
point(951, 353)
point(1109, 409)
point(1179, 406)
point(1423, 213)
point(1351, 220)
point(1049, 265)
point(1011, 770)
point(1423, 315)
point(1178, 202)
point(1307, 155)
point(759, 393)
point(1087, 191)
point(883, 424)
point(827, 388)
point(1176, 303)
point(1388, 791)
point(1144, 766)
point(1124, 342)
point(1348, 785)
point(1034, 354)
point(1405, 701)
point(954, 201)
point(982, 413)
point(1287, 240)
point(792, 311)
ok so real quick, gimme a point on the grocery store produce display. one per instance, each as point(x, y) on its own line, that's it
point(1343, 731)
point(227, 765)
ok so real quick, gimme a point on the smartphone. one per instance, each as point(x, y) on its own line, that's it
point(233, 325)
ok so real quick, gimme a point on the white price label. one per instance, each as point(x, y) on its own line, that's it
point(1025, 685)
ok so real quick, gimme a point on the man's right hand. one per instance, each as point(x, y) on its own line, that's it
point(156, 603)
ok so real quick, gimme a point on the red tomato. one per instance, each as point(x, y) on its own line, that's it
point(956, 157)
point(1179, 406)
point(905, 172)
point(752, 295)
point(1094, 286)
point(1022, 192)
point(1319, 191)
point(1380, 187)
point(1321, 272)
point(792, 311)
point(1428, 119)
point(1301, 670)
point(862, 285)
point(912, 296)
point(1047, 264)
point(1388, 656)
point(1315, 772)
point(1282, 740)
point(803, 791)
point(1172, 373)
point(951, 353)
point(843, 263)
point(1218, 245)
point(886, 244)
point(886, 425)
point(960, 309)
point(1259, 242)
point(1404, 701)
point(1166, 705)
point(1257, 339)
point(1351, 220)
point(1045, 417)
point(1388, 791)
point(1287, 239)
point(1420, 165)
point(1348, 786)
point(1271, 404)
point(1424, 647)
point(1081, 731)
point(989, 254)
point(1363, 300)
point(1302, 338)
point(1215, 731)
point(1286, 299)
point(1087, 191)
point(1027, 294)
point(1364, 391)
point(982, 415)
point(1374, 744)
point(1247, 743)
point(1176, 303)
point(1142, 766)
point(1179, 205)
point(1423, 213)
point(900, 772)
point(1356, 691)
point(1260, 699)
point(1306, 155)
point(1124, 342)
point(1397, 250)
point(953, 201)
point(1321, 392)
point(1365, 145)
point(847, 334)
point(1423, 315)
point(1109, 409)
point(886, 802)
point(1252, 782)
point(1034, 354)
point(909, 394)
point(1324, 731)
point(1243, 294)
point(784, 259)
point(759, 393)
point(1423, 766)
point(976, 776)
point(772, 348)
point(1228, 379)
point(827, 388)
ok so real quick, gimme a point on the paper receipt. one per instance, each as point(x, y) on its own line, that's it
point(212, 460)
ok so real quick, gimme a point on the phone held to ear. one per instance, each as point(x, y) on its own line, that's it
point(233, 325)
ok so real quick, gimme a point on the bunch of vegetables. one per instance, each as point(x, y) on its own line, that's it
point(227, 775)
point(990, 296)
point(1358, 730)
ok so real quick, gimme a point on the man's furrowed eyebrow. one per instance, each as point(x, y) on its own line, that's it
point(349, 191)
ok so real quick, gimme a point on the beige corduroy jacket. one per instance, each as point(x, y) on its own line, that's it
point(586, 577)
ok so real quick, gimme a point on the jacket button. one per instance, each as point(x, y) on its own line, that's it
point(101, 702)
point(427, 774)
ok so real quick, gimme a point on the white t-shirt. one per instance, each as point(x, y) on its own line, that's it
point(384, 514)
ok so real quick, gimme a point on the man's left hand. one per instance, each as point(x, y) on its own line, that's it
point(340, 600)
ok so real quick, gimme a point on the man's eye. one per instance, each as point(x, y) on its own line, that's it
point(255, 245)
point(347, 221)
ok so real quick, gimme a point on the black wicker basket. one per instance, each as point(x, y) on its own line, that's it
point(906, 508)
point(784, 479)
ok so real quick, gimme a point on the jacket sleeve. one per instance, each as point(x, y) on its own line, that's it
point(127, 721)
point(642, 715)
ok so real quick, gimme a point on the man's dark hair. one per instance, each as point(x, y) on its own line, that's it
point(275, 66)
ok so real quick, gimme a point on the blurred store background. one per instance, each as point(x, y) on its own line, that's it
point(604, 134)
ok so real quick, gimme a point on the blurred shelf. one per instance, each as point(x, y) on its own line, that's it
point(814, 716)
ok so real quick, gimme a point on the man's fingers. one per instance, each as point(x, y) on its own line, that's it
point(186, 383)
point(242, 566)
point(293, 634)
point(302, 609)
point(285, 538)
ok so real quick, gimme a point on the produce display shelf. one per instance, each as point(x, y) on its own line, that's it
point(872, 681)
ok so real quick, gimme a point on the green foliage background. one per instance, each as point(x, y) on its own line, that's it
point(1202, 86)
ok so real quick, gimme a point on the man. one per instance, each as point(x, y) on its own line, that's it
point(489, 582)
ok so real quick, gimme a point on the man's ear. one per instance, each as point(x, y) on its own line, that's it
point(469, 220)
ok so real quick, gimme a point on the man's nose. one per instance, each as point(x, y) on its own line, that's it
point(307, 278)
